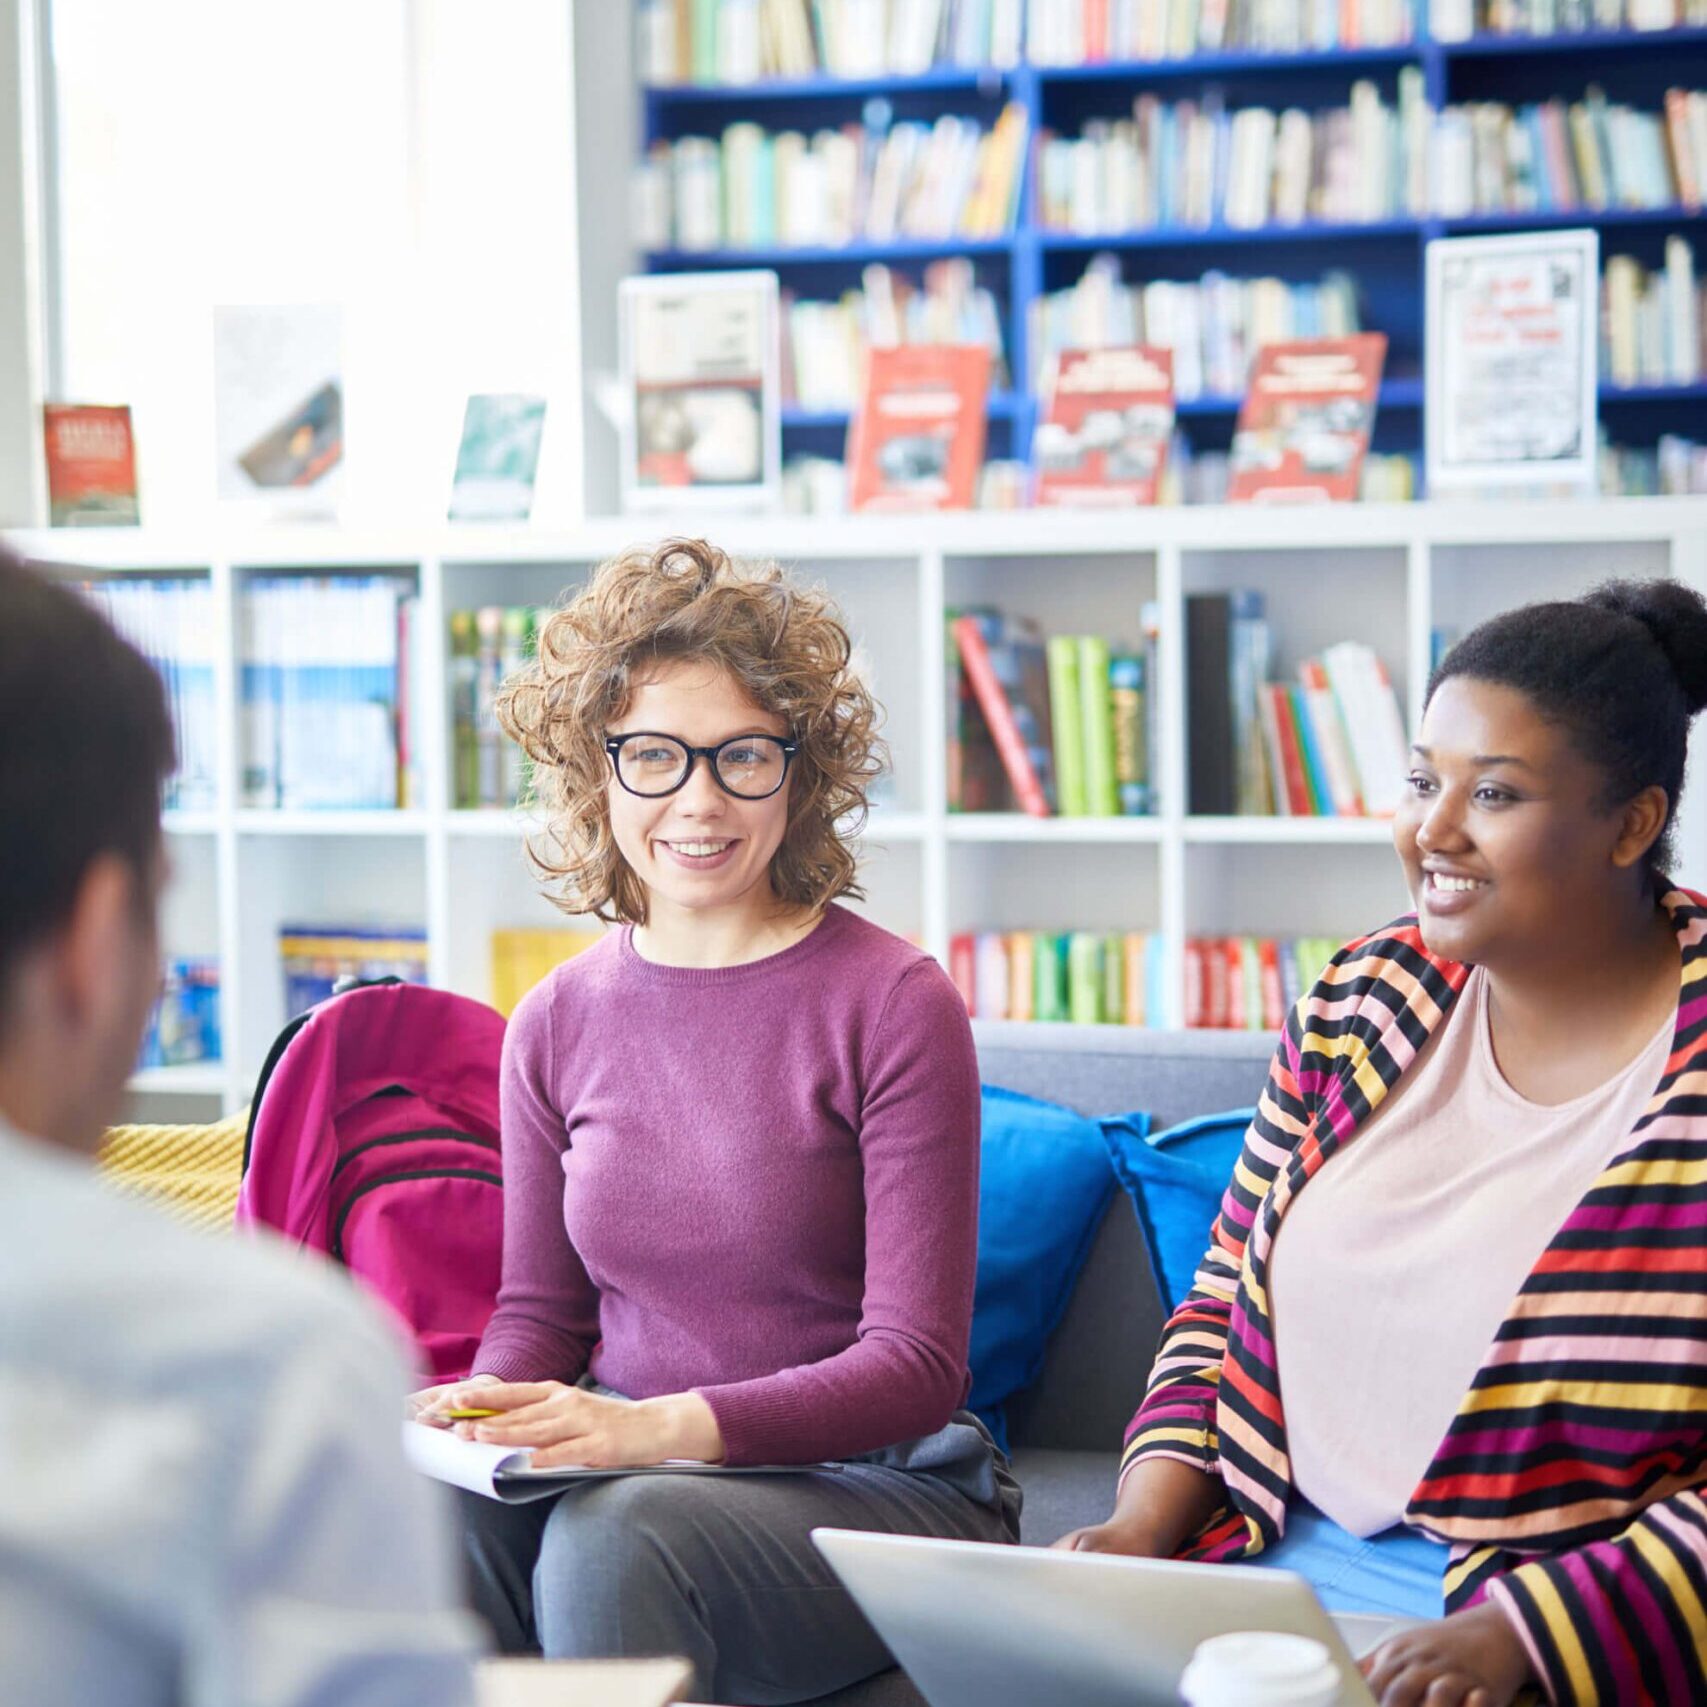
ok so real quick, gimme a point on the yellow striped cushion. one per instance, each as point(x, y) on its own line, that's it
point(192, 1171)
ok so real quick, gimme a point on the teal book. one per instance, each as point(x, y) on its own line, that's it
point(1049, 976)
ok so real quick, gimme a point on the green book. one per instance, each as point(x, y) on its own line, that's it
point(1250, 968)
point(1068, 735)
point(705, 67)
point(1096, 719)
point(1084, 978)
point(1113, 980)
point(1049, 976)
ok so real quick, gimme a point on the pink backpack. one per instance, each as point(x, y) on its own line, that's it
point(374, 1137)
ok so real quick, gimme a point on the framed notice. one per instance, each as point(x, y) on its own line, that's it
point(1513, 329)
point(700, 423)
point(1107, 420)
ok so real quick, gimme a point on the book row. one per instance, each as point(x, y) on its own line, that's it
point(316, 959)
point(1331, 744)
point(1558, 156)
point(1117, 978)
point(825, 343)
point(1676, 467)
point(742, 41)
point(327, 716)
point(171, 622)
point(486, 646)
point(752, 189)
point(1089, 32)
point(183, 1025)
point(1059, 726)
point(1213, 325)
point(1459, 20)
point(1653, 325)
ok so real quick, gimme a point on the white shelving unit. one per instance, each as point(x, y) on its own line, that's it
point(1388, 575)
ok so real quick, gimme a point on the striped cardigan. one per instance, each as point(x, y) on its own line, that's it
point(1572, 1484)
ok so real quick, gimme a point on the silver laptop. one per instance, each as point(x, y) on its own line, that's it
point(976, 1625)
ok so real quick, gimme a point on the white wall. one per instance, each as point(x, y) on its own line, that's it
point(20, 385)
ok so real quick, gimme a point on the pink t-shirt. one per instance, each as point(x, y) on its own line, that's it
point(1394, 1267)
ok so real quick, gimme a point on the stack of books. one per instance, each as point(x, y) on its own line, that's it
point(758, 190)
point(1214, 325)
point(486, 647)
point(183, 1025)
point(1652, 324)
point(1458, 20)
point(1331, 744)
point(1676, 467)
point(741, 41)
point(1563, 156)
point(523, 958)
point(1087, 977)
point(1088, 32)
point(1060, 726)
point(316, 958)
point(1249, 983)
point(1197, 163)
point(825, 343)
point(171, 623)
point(328, 719)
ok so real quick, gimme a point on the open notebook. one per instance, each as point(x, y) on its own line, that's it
point(506, 1473)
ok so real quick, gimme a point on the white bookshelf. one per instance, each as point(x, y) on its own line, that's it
point(1384, 574)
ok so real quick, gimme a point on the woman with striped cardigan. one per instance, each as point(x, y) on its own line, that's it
point(1456, 1296)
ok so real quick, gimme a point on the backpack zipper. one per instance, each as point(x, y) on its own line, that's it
point(361, 1191)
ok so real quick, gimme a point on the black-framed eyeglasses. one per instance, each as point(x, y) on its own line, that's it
point(750, 767)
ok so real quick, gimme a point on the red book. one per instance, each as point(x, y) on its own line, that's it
point(1103, 439)
point(1273, 990)
point(1022, 752)
point(1214, 984)
point(962, 956)
point(1293, 776)
point(917, 439)
point(1305, 422)
point(1196, 983)
point(91, 465)
point(1233, 959)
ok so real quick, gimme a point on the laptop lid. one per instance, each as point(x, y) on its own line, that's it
point(980, 1625)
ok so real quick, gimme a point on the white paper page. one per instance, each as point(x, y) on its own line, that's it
point(469, 1464)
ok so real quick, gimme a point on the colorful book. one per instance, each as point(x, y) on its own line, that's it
point(1096, 722)
point(498, 458)
point(917, 439)
point(1069, 732)
point(91, 465)
point(1108, 417)
point(1006, 665)
point(1128, 718)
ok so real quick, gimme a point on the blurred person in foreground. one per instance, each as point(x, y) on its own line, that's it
point(205, 1499)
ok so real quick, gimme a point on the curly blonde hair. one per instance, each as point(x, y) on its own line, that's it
point(783, 643)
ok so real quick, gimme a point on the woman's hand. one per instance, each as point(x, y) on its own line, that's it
point(1120, 1534)
point(1472, 1659)
point(568, 1425)
point(420, 1406)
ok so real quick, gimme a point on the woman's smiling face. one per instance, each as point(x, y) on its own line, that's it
point(700, 849)
point(1503, 832)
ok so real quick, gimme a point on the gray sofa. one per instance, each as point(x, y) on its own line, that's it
point(1066, 1430)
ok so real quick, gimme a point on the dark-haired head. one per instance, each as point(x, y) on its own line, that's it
point(1622, 671)
point(85, 747)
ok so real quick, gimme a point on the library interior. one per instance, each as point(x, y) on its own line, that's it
point(1178, 531)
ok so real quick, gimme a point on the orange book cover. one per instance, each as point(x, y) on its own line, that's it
point(917, 439)
point(1103, 439)
point(91, 465)
point(1305, 422)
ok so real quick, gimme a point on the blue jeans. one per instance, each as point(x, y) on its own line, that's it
point(1397, 1573)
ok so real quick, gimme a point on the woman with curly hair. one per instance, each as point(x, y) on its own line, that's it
point(740, 1155)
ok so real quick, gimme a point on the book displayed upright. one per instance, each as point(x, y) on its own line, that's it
point(1107, 420)
point(497, 459)
point(1305, 423)
point(917, 439)
point(91, 465)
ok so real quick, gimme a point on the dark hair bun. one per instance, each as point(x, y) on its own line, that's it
point(1676, 617)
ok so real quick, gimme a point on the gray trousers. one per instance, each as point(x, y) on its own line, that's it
point(721, 1569)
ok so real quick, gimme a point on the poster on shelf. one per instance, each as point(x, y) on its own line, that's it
point(701, 387)
point(91, 465)
point(916, 441)
point(1513, 350)
point(1107, 418)
point(279, 408)
point(498, 458)
point(1305, 422)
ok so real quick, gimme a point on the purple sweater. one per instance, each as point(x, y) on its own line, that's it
point(758, 1183)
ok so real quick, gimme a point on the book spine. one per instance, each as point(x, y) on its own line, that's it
point(1127, 711)
point(1084, 978)
point(1315, 777)
point(1069, 741)
point(998, 714)
point(962, 969)
point(1096, 723)
point(1022, 986)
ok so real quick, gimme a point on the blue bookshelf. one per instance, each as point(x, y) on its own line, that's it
point(1386, 256)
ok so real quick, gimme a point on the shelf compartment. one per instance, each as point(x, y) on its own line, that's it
point(1491, 46)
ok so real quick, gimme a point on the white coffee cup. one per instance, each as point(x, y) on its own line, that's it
point(1260, 1668)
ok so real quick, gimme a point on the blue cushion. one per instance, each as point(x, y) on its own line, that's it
point(1044, 1187)
point(1176, 1180)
